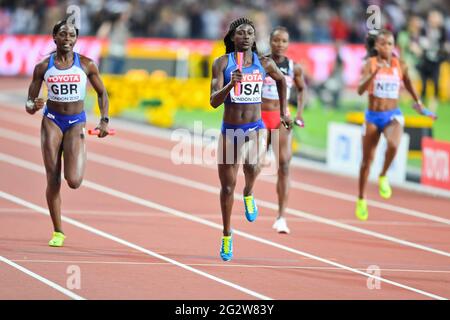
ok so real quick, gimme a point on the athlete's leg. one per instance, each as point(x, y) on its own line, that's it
point(74, 147)
point(369, 143)
point(265, 159)
point(227, 175)
point(393, 134)
point(284, 157)
point(253, 151)
point(51, 145)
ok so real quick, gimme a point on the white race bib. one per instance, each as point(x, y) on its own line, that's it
point(251, 89)
point(386, 86)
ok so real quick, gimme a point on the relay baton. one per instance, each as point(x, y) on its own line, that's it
point(425, 112)
point(237, 85)
point(95, 132)
point(429, 113)
point(299, 122)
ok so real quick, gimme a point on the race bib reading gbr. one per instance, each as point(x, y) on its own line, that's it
point(64, 87)
point(251, 88)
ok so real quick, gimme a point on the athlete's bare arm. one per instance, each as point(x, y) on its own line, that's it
point(93, 75)
point(366, 77)
point(35, 87)
point(299, 81)
point(407, 81)
point(219, 92)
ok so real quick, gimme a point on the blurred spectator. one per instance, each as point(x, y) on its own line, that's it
point(306, 20)
point(5, 21)
point(24, 19)
point(180, 25)
point(86, 11)
point(263, 29)
point(408, 42)
point(164, 27)
point(338, 27)
point(196, 21)
point(212, 20)
point(432, 41)
point(117, 32)
point(331, 89)
point(321, 28)
point(396, 15)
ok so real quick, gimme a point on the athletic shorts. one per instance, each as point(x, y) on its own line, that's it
point(65, 122)
point(383, 118)
point(271, 119)
point(239, 130)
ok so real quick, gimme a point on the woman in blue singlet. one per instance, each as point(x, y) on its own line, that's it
point(63, 124)
point(242, 124)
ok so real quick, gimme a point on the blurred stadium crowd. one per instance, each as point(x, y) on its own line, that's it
point(317, 21)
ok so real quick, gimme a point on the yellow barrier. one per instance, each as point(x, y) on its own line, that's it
point(411, 121)
point(137, 87)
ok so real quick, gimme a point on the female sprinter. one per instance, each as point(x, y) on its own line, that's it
point(270, 112)
point(241, 118)
point(381, 77)
point(63, 124)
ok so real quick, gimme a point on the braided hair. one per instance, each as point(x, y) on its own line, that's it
point(61, 23)
point(371, 38)
point(229, 45)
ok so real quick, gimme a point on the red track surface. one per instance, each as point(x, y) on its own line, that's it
point(113, 270)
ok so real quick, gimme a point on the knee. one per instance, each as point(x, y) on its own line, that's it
point(228, 189)
point(392, 145)
point(53, 180)
point(365, 163)
point(284, 168)
point(74, 183)
point(251, 169)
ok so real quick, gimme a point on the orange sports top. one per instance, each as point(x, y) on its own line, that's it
point(386, 84)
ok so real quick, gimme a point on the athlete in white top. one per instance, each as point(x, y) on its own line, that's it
point(63, 124)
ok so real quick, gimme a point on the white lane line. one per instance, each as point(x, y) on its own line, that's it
point(122, 165)
point(42, 279)
point(163, 153)
point(166, 154)
point(166, 134)
point(373, 203)
point(216, 265)
point(118, 164)
point(109, 236)
point(133, 199)
point(213, 216)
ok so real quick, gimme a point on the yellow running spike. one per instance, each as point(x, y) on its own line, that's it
point(361, 211)
point(57, 239)
point(384, 187)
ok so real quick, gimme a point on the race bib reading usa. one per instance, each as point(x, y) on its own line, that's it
point(251, 86)
point(386, 86)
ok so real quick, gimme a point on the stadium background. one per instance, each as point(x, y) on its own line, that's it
point(156, 55)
